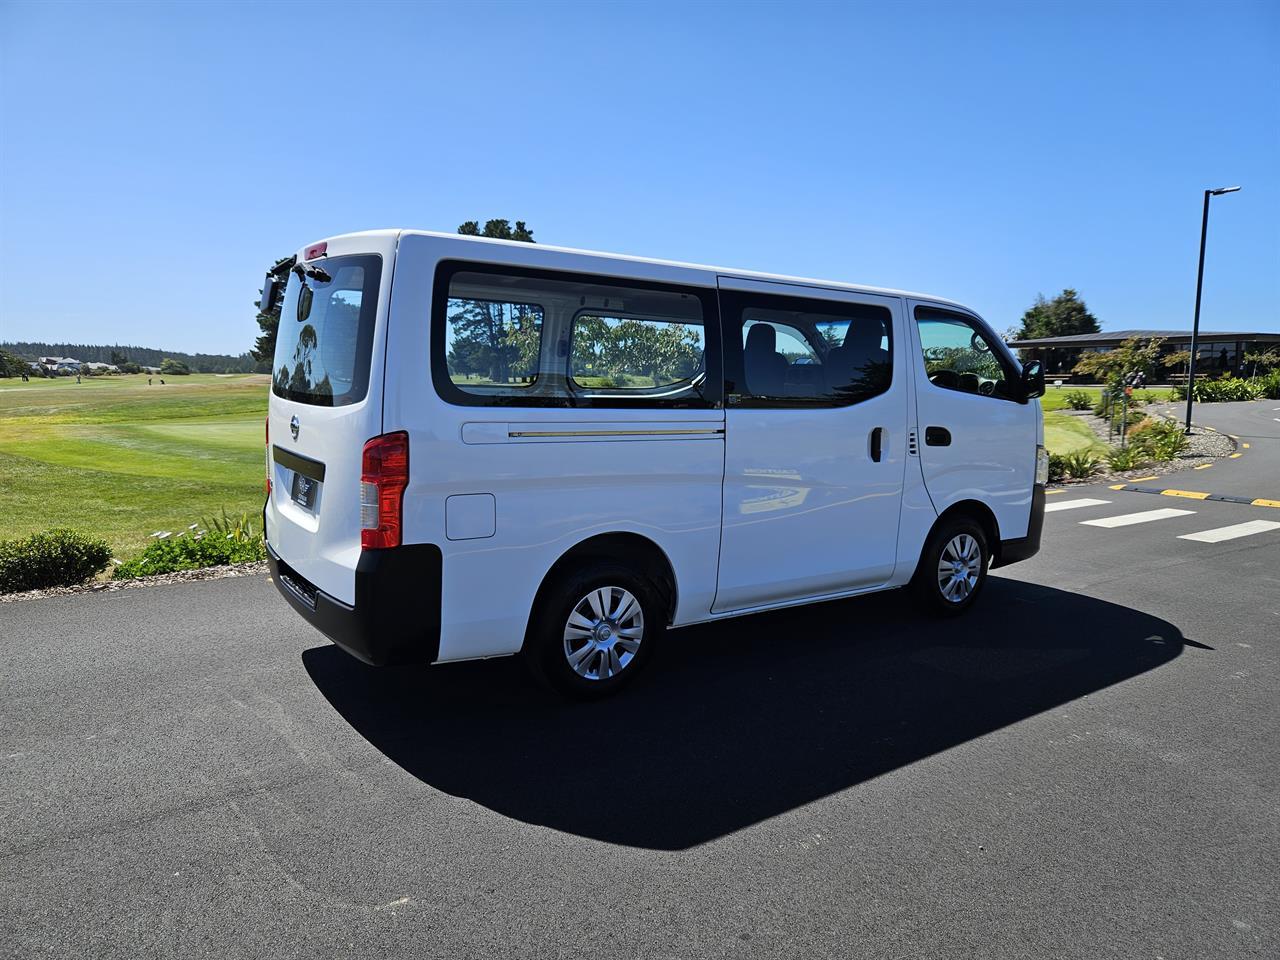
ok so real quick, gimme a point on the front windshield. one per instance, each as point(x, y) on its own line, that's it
point(325, 336)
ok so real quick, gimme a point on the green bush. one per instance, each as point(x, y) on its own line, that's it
point(1057, 467)
point(1268, 385)
point(1227, 389)
point(1126, 458)
point(1081, 464)
point(1078, 399)
point(55, 558)
point(210, 543)
point(1159, 440)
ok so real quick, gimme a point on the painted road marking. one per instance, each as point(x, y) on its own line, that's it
point(1189, 494)
point(1073, 504)
point(1202, 466)
point(1129, 519)
point(1234, 455)
point(1247, 529)
point(1260, 502)
point(1140, 479)
point(1245, 445)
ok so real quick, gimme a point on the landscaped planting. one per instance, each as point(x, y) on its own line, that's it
point(55, 558)
point(210, 543)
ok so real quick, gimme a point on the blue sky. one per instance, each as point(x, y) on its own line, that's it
point(154, 159)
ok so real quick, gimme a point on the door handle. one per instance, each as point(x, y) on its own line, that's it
point(937, 437)
point(877, 436)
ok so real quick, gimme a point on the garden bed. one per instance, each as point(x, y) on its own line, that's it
point(257, 568)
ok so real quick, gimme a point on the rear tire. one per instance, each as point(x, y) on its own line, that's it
point(953, 567)
point(594, 629)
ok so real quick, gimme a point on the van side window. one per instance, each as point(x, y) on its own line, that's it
point(790, 351)
point(492, 343)
point(633, 354)
point(524, 337)
point(959, 355)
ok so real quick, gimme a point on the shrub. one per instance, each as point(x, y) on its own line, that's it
point(210, 543)
point(1078, 399)
point(1057, 467)
point(1081, 464)
point(1161, 440)
point(1227, 389)
point(56, 558)
point(1126, 458)
point(1268, 385)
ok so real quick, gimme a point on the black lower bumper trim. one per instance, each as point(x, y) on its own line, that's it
point(396, 616)
point(1023, 548)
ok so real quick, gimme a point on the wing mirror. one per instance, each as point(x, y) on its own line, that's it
point(271, 290)
point(1032, 379)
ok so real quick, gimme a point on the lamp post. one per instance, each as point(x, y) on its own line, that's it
point(1195, 328)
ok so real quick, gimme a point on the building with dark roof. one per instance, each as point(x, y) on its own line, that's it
point(1217, 350)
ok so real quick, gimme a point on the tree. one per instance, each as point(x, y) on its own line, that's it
point(495, 340)
point(1064, 316)
point(1112, 366)
point(264, 348)
point(174, 368)
point(11, 366)
point(1266, 359)
point(497, 230)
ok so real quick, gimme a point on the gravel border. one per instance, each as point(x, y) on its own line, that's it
point(254, 569)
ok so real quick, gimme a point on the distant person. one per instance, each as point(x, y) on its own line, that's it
point(77, 378)
point(148, 381)
point(162, 381)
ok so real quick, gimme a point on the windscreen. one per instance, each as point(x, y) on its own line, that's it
point(325, 336)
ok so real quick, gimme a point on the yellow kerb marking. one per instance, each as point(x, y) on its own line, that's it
point(1118, 486)
point(1050, 493)
point(1203, 466)
point(1266, 503)
point(1245, 445)
point(1140, 479)
point(1234, 455)
point(1189, 494)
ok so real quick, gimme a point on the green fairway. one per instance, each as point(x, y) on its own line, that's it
point(119, 459)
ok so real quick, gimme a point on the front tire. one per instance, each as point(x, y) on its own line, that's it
point(953, 567)
point(594, 630)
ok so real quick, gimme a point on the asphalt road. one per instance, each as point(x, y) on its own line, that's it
point(1087, 765)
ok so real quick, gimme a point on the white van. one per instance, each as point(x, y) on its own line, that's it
point(478, 448)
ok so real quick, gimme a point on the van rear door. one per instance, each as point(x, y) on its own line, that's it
point(326, 401)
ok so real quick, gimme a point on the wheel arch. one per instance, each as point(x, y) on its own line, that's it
point(975, 510)
point(633, 549)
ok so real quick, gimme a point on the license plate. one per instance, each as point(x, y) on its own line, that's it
point(304, 491)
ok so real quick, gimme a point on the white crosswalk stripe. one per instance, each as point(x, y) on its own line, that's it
point(1073, 504)
point(1247, 529)
point(1129, 519)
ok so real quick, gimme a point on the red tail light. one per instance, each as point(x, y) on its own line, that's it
point(268, 442)
point(383, 476)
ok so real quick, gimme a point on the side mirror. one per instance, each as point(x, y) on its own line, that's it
point(271, 290)
point(1032, 379)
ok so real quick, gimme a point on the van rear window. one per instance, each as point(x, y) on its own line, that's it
point(325, 337)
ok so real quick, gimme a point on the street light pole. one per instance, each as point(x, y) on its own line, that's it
point(1195, 327)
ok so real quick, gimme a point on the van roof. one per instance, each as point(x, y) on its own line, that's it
point(729, 271)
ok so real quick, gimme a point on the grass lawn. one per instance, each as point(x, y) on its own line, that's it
point(1064, 433)
point(1055, 397)
point(115, 458)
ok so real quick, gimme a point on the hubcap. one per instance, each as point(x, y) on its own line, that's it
point(603, 633)
point(959, 568)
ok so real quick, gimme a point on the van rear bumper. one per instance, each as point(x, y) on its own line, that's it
point(1024, 548)
point(396, 616)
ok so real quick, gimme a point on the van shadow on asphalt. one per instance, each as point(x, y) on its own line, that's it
point(744, 719)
